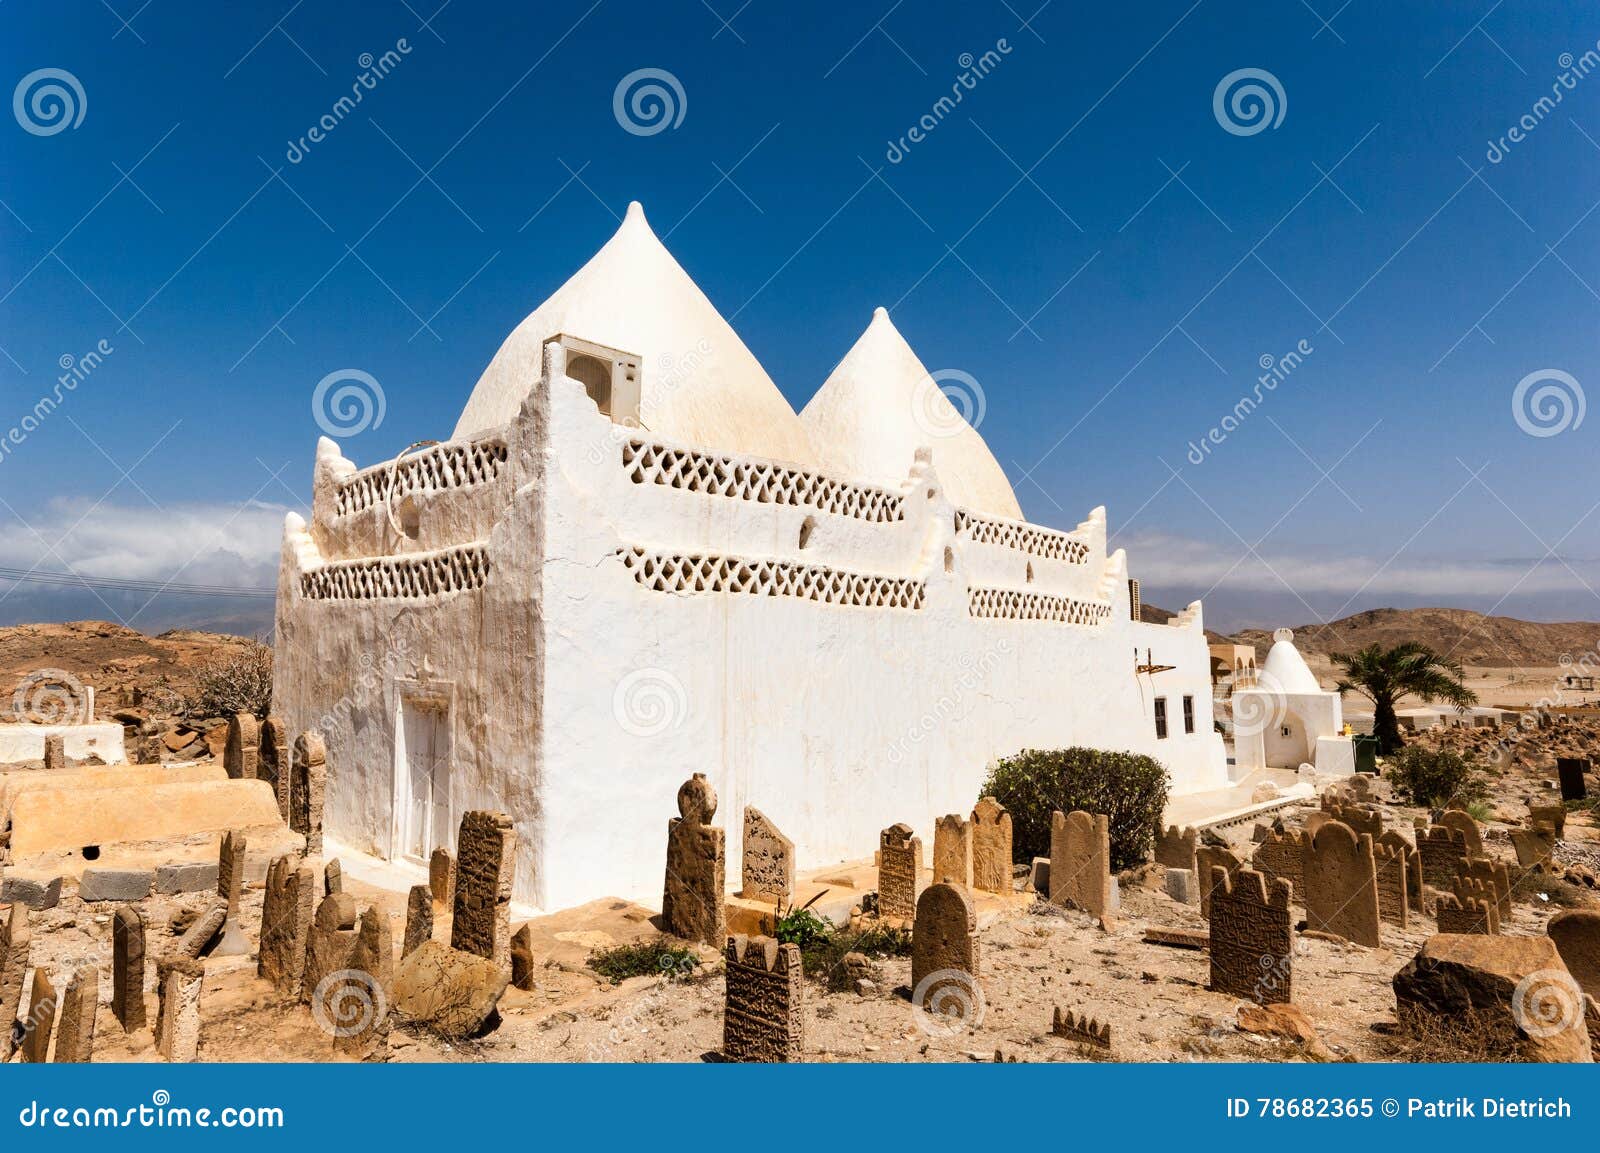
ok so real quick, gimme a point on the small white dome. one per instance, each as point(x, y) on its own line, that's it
point(1285, 669)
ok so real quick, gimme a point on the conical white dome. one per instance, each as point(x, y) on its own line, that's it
point(699, 383)
point(880, 405)
point(1285, 669)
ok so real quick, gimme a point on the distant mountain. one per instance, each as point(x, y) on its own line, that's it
point(1470, 638)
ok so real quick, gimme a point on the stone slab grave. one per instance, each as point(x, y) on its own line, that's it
point(1394, 901)
point(127, 969)
point(240, 754)
point(53, 821)
point(357, 1006)
point(274, 758)
point(38, 1026)
point(1570, 771)
point(1555, 816)
point(287, 909)
point(330, 948)
point(1080, 861)
point(442, 876)
point(230, 887)
point(1252, 937)
point(693, 901)
point(1176, 847)
point(14, 944)
point(991, 846)
point(308, 787)
point(899, 872)
point(75, 1026)
point(1208, 858)
point(1281, 857)
point(486, 855)
point(1080, 1027)
point(1495, 877)
point(1469, 914)
point(71, 781)
point(180, 981)
point(1462, 822)
point(952, 850)
point(766, 869)
point(763, 1015)
point(1395, 842)
point(944, 958)
point(419, 920)
point(1535, 847)
point(1342, 884)
point(1440, 848)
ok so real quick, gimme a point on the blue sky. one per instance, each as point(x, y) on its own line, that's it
point(1082, 235)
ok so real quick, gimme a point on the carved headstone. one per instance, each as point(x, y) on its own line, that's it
point(1440, 847)
point(442, 876)
point(1555, 816)
point(127, 968)
point(1395, 842)
point(1082, 1028)
point(230, 887)
point(419, 918)
point(1281, 857)
point(1571, 771)
point(1535, 847)
point(240, 755)
point(178, 1016)
point(1462, 822)
point(952, 850)
point(1393, 884)
point(1466, 915)
point(767, 870)
point(286, 912)
point(308, 786)
point(944, 955)
point(75, 1028)
point(1342, 884)
point(358, 1004)
point(991, 846)
point(330, 949)
point(694, 894)
point(41, 1020)
point(1252, 936)
point(763, 1016)
point(273, 759)
point(199, 937)
point(1212, 857)
point(486, 863)
point(1175, 848)
point(13, 972)
point(1496, 879)
point(899, 872)
point(1080, 861)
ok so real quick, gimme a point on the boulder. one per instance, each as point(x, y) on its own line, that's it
point(449, 991)
point(1286, 1021)
point(1515, 984)
point(1576, 933)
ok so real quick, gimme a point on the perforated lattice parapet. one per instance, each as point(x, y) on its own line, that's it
point(399, 578)
point(678, 573)
point(764, 482)
point(444, 466)
point(1013, 605)
point(1023, 537)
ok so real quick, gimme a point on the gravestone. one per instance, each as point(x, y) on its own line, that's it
point(13, 972)
point(198, 938)
point(480, 920)
point(330, 948)
point(127, 969)
point(899, 872)
point(286, 913)
point(991, 846)
point(1082, 1027)
point(357, 1006)
point(1571, 771)
point(767, 868)
point(1395, 842)
point(763, 1010)
point(41, 1020)
point(693, 896)
point(1576, 933)
point(1252, 936)
point(308, 786)
point(1080, 861)
point(240, 755)
point(1496, 878)
point(1175, 848)
point(1359, 818)
point(944, 955)
point(332, 878)
point(1553, 816)
point(1393, 883)
point(952, 850)
point(1441, 848)
point(442, 876)
point(75, 1026)
point(1535, 847)
point(1455, 914)
point(1462, 822)
point(1342, 884)
point(1209, 857)
point(55, 752)
point(230, 887)
point(273, 758)
point(1281, 857)
point(419, 918)
point(180, 981)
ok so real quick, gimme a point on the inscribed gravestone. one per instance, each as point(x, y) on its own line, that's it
point(1342, 884)
point(240, 754)
point(763, 1011)
point(767, 868)
point(308, 785)
point(693, 901)
point(1080, 861)
point(899, 870)
point(952, 850)
point(991, 846)
point(1252, 936)
point(944, 954)
point(480, 922)
point(286, 912)
point(127, 968)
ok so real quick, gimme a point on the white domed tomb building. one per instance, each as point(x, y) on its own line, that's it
point(1286, 719)
point(632, 561)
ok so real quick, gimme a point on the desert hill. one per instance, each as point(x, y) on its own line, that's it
point(1468, 637)
point(108, 656)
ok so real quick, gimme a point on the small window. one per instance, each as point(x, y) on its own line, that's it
point(1188, 714)
point(1030, 572)
point(1285, 731)
point(1161, 718)
point(806, 528)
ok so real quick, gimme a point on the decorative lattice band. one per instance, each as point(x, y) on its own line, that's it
point(669, 572)
point(399, 578)
point(444, 466)
point(764, 482)
point(1010, 604)
point(1028, 538)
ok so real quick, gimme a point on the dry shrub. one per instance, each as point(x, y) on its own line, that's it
point(1471, 1036)
point(240, 682)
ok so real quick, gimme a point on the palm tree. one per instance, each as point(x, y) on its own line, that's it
point(1384, 676)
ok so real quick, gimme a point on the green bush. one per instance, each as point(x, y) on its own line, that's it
point(1129, 788)
point(1433, 778)
point(659, 957)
